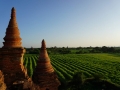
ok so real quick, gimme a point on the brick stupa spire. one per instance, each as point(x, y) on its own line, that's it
point(11, 55)
point(44, 75)
point(44, 60)
point(12, 38)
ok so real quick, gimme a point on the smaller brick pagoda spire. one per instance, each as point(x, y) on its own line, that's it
point(43, 64)
point(44, 75)
point(12, 38)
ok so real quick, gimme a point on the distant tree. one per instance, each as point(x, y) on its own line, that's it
point(111, 49)
point(34, 51)
point(78, 48)
point(55, 47)
point(96, 50)
point(67, 47)
point(104, 49)
point(32, 48)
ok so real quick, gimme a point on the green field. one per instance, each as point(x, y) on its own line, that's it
point(105, 65)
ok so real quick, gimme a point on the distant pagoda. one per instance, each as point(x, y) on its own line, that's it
point(11, 55)
point(44, 75)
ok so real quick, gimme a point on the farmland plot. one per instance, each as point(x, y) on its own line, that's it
point(105, 65)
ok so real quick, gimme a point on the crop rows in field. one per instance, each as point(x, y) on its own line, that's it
point(106, 65)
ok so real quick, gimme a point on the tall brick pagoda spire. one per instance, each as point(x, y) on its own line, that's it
point(44, 75)
point(11, 55)
point(12, 38)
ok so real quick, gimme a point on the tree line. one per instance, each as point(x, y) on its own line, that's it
point(77, 50)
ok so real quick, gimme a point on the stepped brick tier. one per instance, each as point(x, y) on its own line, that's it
point(2, 84)
point(11, 56)
point(44, 75)
point(12, 38)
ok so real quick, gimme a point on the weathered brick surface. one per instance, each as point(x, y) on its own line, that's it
point(2, 84)
point(44, 75)
point(12, 65)
point(11, 55)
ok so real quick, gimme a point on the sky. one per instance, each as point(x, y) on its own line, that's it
point(63, 23)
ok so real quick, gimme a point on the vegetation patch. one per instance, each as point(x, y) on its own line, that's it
point(105, 68)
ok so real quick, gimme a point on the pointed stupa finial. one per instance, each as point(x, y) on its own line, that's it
point(13, 12)
point(43, 44)
point(13, 22)
point(13, 9)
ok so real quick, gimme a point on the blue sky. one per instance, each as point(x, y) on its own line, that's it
point(71, 23)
